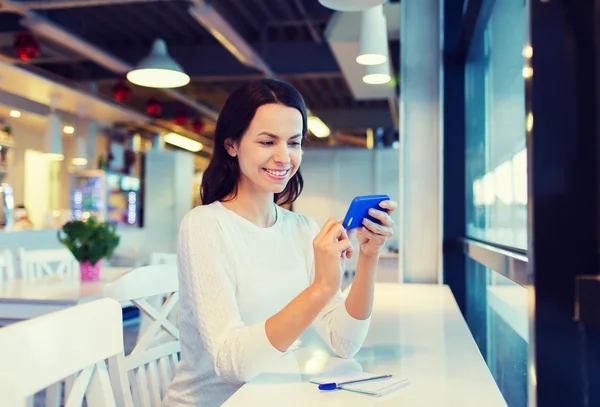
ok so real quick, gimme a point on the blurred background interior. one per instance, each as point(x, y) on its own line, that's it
point(108, 108)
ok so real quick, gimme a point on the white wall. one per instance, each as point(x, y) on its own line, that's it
point(167, 198)
point(26, 138)
point(37, 194)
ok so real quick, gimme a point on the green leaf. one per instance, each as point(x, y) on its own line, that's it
point(89, 240)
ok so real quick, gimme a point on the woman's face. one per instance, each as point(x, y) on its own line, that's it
point(270, 151)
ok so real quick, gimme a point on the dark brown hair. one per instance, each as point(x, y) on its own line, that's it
point(222, 174)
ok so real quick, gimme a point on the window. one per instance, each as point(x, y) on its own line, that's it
point(497, 314)
point(496, 164)
point(496, 189)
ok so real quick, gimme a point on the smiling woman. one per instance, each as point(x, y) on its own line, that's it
point(253, 275)
point(272, 114)
point(269, 159)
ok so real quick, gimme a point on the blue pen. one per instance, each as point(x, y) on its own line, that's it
point(333, 386)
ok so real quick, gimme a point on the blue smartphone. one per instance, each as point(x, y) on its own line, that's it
point(359, 209)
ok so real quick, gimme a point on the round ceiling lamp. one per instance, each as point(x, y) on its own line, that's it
point(373, 44)
point(158, 70)
point(351, 5)
point(377, 74)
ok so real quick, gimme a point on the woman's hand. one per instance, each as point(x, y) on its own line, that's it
point(331, 246)
point(372, 236)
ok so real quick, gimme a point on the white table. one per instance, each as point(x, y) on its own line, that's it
point(417, 332)
point(29, 298)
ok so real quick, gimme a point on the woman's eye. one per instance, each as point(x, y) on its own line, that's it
point(266, 143)
point(295, 144)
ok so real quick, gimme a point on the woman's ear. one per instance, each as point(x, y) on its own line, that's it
point(230, 147)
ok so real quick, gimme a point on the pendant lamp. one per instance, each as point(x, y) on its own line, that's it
point(54, 148)
point(373, 43)
point(377, 74)
point(158, 70)
point(80, 158)
point(351, 5)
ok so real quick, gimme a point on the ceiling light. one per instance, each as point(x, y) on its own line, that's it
point(15, 113)
point(377, 74)
point(183, 142)
point(351, 5)
point(317, 127)
point(373, 44)
point(158, 70)
point(55, 157)
point(79, 161)
point(69, 129)
point(80, 158)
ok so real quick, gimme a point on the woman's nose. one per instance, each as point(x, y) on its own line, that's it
point(282, 155)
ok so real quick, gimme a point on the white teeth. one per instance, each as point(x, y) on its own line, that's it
point(276, 173)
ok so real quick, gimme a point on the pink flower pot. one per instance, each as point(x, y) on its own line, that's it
point(90, 272)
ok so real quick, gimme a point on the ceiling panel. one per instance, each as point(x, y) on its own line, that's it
point(127, 31)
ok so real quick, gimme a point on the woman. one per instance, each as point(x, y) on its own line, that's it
point(254, 276)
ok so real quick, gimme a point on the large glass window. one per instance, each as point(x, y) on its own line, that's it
point(497, 314)
point(496, 188)
point(496, 165)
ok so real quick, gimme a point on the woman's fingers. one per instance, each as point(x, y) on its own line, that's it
point(325, 229)
point(383, 216)
point(344, 246)
point(373, 237)
point(390, 206)
point(337, 232)
point(339, 235)
point(380, 230)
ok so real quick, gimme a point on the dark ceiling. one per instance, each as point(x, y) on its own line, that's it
point(288, 35)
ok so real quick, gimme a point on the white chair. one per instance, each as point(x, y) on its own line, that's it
point(7, 268)
point(157, 258)
point(152, 362)
point(39, 263)
point(75, 342)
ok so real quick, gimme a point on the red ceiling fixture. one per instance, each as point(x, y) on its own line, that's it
point(26, 46)
point(121, 92)
point(154, 108)
point(198, 125)
point(181, 118)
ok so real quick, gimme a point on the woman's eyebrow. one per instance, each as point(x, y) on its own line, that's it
point(266, 133)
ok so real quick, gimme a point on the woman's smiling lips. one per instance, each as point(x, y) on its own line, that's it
point(277, 174)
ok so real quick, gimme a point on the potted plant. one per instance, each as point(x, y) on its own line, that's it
point(90, 242)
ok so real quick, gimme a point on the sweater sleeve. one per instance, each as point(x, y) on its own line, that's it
point(343, 333)
point(238, 351)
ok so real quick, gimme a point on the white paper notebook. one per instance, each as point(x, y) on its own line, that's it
point(375, 388)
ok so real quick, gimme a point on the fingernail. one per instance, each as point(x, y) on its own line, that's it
point(372, 211)
point(383, 204)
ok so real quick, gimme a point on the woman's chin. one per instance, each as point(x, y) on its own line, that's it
point(276, 188)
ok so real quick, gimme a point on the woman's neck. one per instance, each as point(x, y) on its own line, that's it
point(258, 208)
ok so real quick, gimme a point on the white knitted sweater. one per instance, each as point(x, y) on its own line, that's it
point(233, 276)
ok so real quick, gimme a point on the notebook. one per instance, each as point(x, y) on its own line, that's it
point(375, 388)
